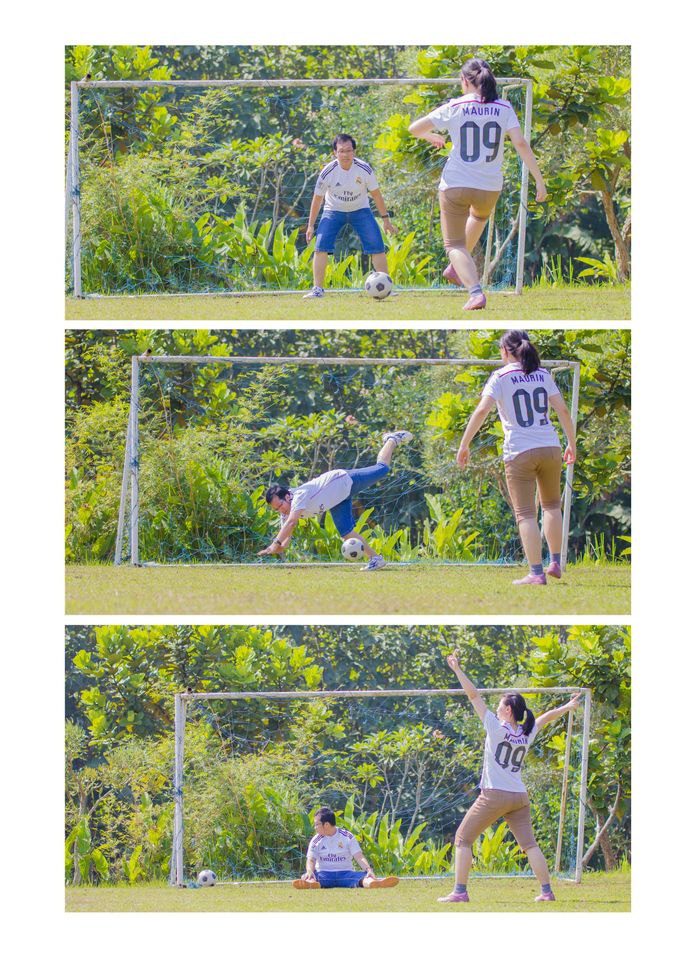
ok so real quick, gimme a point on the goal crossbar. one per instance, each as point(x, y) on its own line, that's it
point(73, 166)
point(131, 464)
point(182, 700)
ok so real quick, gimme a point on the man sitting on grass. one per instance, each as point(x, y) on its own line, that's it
point(330, 858)
point(332, 491)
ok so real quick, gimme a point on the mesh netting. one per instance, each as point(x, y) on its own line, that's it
point(399, 771)
point(208, 189)
point(213, 436)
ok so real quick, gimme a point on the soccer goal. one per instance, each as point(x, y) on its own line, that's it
point(203, 186)
point(400, 767)
point(207, 434)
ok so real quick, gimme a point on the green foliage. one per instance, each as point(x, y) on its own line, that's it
point(495, 853)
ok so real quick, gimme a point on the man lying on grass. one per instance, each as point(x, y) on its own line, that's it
point(330, 857)
point(332, 491)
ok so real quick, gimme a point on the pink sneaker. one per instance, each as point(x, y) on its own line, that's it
point(451, 275)
point(531, 579)
point(545, 897)
point(478, 302)
point(554, 570)
point(454, 898)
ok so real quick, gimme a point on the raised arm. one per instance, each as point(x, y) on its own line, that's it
point(556, 712)
point(558, 404)
point(422, 129)
point(471, 691)
point(479, 415)
point(527, 156)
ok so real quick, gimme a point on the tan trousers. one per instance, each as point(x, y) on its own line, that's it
point(490, 806)
point(456, 204)
point(541, 466)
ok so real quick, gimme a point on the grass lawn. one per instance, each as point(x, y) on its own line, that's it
point(598, 892)
point(585, 589)
point(570, 303)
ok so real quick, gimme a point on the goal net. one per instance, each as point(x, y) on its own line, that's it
point(207, 435)
point(205, 186)
point(400, 768)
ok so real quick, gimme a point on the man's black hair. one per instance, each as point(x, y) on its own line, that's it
point(325, 815)
point(344, 138)
point(276, 490)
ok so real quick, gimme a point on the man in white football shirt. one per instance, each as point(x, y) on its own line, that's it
point(509, 734)
point(471, 183)
point(343, 187)
point(330, 858)
point(332, 491)
point(523, 392)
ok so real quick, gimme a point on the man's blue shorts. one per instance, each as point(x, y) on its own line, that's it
point(362, 477)
point(340, 879)
point(361, 220)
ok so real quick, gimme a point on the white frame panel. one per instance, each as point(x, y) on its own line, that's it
point(182, 701)
point(73, 182)
point(131, 465)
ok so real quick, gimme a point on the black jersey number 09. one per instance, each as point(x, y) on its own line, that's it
point(511, 757)
point(473, 137)
point(527, 404)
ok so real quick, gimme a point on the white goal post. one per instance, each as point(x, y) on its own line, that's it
point(73, 161)
point(183, 700)
point(129, 506)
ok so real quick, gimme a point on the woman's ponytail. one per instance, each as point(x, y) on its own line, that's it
point(517, 343)
point(520, 712)
point(479, 74)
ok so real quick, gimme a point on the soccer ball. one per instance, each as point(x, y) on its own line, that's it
point(353, 549)
point(378, 285)
point(207, 878)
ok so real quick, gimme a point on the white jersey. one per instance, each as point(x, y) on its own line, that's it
point(334, 853)
point(346, 189)
point(320, 493)
point(504, 751)
point(522, 403)
point(477, 131)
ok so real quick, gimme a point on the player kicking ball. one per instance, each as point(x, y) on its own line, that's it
point(330, 858)
point(509, 734)
point(332, 491)
point(343, 187)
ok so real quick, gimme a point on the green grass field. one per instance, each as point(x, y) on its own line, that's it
point(598, 892)
point(585, 589)
point(569, 303)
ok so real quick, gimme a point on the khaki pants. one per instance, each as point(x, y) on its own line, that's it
point(541, 466)
point(490, 806)
point(456, 204)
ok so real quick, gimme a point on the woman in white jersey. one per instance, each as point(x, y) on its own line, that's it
point(472, 180)
point(523, 393)
point(509, 734)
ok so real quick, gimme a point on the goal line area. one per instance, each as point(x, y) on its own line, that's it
point(206, 435)
point(203, 187)
point(399, 768)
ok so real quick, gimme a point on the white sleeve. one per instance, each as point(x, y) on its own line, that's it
point(550, 385)
point(372, 182)
point(512, 119)
point(354, 847)
point(321, 186)
point(440, 116)
point(491, 387)
point(311, 854)
point(491, 722)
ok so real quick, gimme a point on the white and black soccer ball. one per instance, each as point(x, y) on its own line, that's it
point(353, 549)
point(378, 285)
point(207, 878)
